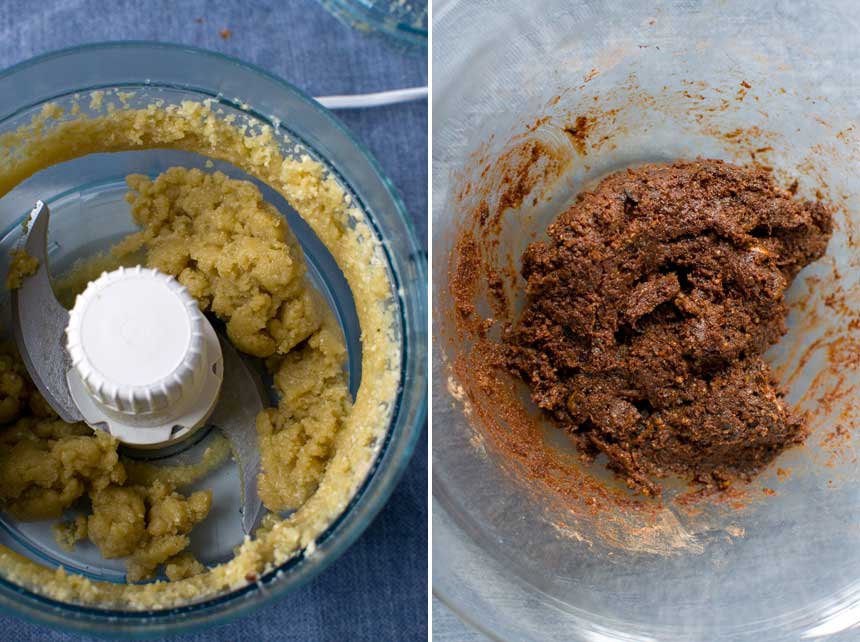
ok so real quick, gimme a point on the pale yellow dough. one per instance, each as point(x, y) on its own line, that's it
point(20, 266)
point(237, 257)
point(235, 254)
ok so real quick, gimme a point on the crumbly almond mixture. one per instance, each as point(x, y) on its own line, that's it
point(237, 257)
point(297, 437)
point(231, 249)
point(16, 390)
point(47, 465)
point(325, 445)
point(235, 254)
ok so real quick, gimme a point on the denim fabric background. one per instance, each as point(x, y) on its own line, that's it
point(378, 590)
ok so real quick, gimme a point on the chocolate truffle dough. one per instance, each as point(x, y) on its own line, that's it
point(647, 313)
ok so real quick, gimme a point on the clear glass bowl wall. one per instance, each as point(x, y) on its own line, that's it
point(174, 73)
point(402, 22)
point(519, 569)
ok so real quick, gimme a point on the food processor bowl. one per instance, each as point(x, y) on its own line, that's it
point(89, 215)
point(524, 553)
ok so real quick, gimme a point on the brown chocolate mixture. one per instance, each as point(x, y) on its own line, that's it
point(648, 311)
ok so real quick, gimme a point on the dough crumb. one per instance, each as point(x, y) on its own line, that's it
point(296, 438)
point(150, 525)
point(46, 465)
point(182, 566)
point(21, 266)
point(69, 533)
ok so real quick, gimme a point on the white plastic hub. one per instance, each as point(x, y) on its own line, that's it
point(146, 364)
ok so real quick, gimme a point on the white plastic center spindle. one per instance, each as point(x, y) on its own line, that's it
point(146, 363)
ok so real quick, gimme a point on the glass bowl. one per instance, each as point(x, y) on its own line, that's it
point(402, 22)
point(85, 195)
point(524, 558)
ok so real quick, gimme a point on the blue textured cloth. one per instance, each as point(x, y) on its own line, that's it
point(378, 590)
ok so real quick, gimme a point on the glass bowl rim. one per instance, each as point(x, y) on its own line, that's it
point(396, 29)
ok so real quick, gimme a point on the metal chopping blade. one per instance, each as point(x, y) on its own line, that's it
point(236, 416)
point(39, 323)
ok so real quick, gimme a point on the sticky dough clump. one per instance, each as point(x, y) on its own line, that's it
point(231, 249)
